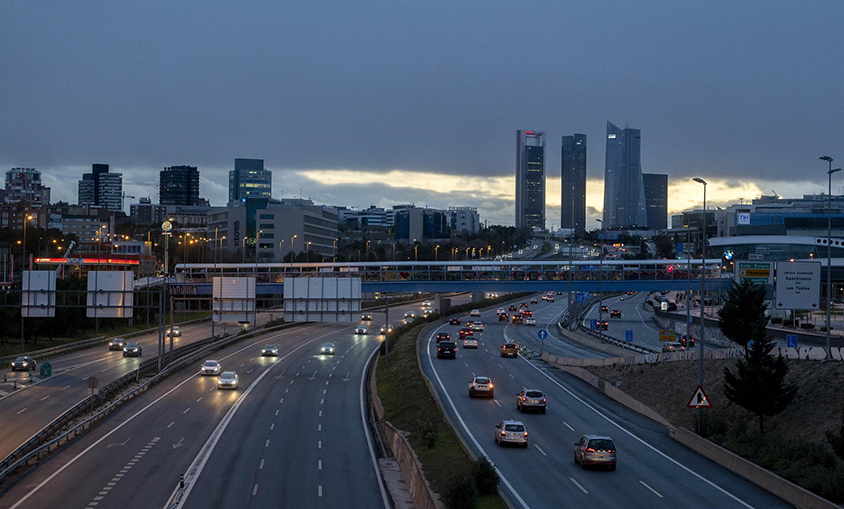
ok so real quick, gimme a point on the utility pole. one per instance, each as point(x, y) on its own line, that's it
point(702, 294)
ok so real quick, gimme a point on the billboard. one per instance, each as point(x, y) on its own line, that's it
point(110, 294)
point(39, 294)
point(233, 299)
point(318, 299)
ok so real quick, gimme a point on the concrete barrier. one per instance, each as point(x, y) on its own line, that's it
point(759, 476)
point(420, 493)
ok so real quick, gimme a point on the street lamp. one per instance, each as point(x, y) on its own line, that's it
point(292, 254)
point(436, 249)
point(257, 247)
point(335, 249)
point(829, 172)
point(27, 218)
point(308, 253)
point(702, 290)
point(601, 282)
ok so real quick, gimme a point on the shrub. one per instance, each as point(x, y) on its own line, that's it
point(776, 319)
point(485, 476)
point(461, 493)
point(428, 430)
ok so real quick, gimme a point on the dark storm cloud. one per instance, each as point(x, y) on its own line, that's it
point(723, 89)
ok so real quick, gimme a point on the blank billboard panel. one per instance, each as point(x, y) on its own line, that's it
point(234, 299)
point(110, 294)
point(316, 299)
point(39, 294)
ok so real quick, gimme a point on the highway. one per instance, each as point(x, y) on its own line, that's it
point(653, 470)
point(292, 435)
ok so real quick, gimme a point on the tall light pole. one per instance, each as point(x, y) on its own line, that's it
point(702, 290)
point(257, 247)
point(829, 172)
point(292, 253)
point(26, 218)
point(436, 250)
point(308, 253)
point(688, 285)
point(601, 283)
point(281, 248)
point(335, 250)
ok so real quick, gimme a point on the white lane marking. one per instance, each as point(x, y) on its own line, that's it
point(186, 410)
point(511, 376)
point(463, 423)
point(578, 485)
point(496, 402)
point(272, 426)
point(267, 443)
point(254, 490)
point(22, 411)
point(45, 397)
point(211, 389)
point(319, 491)
point(261, 466)
point(200, 399)
point(319, 444)
point(567, 425)
point(319, 464)
point(281, 400)
point(465, 364)
point(635, 437)
point(276, 412)
point(171, 424)
point(540, 449)
point(322, 401)
point(65, 387)
point(320, 413)
point(319, 427)
point(653, 490)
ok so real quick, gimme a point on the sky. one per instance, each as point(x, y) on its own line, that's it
point(386, 102)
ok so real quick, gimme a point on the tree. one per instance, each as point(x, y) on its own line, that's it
point(759, 385)
point(743, 311)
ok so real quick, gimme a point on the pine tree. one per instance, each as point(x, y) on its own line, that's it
point(743, 310)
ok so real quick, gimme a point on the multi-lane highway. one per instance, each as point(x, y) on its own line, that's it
point(653, 470)
point(292, 435)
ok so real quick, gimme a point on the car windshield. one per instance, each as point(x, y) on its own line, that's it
point(509, 345)
point(482, 380)
point(132, 345)
point(269, 347)
point(117, 340)
point(328, 345)
point(20, 359)
point(514, 427)
point(210, 364)
point(228, 376)
point(533, 394)
point(601, 444)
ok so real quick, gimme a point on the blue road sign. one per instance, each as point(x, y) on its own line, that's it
point(791, 340)
point(750, 345)
point(593, 324)
point(628, 335)
point(578, 297)
point(542, 334)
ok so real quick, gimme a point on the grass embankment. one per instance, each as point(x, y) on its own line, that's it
point(107, 329)
point(794, 445)
point(409, 406)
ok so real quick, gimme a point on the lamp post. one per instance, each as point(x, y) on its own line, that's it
point(436, 250)
point(688, 285)
point(26, 218)
point(335, 250)
point(601, 283)
point(280, 247)
point(243, 249)
point(257, 247)
point(702, 290)
point(308, 253)
point(829, 172)
point(292, 253)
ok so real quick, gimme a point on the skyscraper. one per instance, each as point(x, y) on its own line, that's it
point(179, 185)
point(102, 188)
point(23, 185)
point(249, 179)
point(656, 200)
point(574, 183)
point(530, 179)
point(624, 190)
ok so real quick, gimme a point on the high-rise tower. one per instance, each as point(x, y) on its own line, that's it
point(249, 179)
point(574, 183)
point(530, 179)
point(624, 190)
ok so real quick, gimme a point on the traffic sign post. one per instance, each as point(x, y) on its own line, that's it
point(93, 382)
point(791, 340)
point(541, 334)
point(593, 324)
point(699, 399)
point(760, 273)
point(798, 285)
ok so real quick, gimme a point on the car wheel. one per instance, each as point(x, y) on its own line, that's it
point(582, 464)
point(575, 459)
point(124, 354)
point(491, 395)
point(543, 410)
point(612, 467)
point(471, 394)
point(525, 445)
point(519, 407)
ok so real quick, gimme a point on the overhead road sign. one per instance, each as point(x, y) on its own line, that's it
point(760, 273)
point(699, 399)
point(666, 335)
point(798, 285)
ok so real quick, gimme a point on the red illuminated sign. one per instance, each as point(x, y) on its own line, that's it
point(87, 261)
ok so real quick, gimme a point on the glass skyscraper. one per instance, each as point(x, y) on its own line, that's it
point(656, 200)
point(179, 185)
point(574, 183)
point(249, 179)
point(102, 188)
point(530, 179)
point(624, 188)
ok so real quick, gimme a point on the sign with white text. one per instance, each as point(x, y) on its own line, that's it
point(798, 285)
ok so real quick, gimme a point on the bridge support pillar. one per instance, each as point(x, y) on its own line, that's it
point(478, 296)
point(437, 302)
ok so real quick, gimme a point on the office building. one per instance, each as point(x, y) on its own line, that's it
point(624, 189)
point(23, 185)
point(530, 179)
point(102, 188)
point(359, 219)
point(179, 185)
point(656, 200)
point(414, 223)
point(146, 213)
point(464, 220)
point(573, 215)
point(249, 179)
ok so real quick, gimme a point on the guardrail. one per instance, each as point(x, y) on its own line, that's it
point(617, 342)
point(85, 344)
point(41, 442)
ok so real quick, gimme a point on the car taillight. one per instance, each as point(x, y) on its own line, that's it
point(590, 449)
point(610, 450)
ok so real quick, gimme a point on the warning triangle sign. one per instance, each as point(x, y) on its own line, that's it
point(699, 399)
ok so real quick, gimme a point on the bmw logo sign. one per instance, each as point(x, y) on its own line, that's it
point(728, 255)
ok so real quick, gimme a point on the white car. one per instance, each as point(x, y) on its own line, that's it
point(530, 321)
point(386, 329)
point(228, 380)
point(475, 312)
point(361, 329)
point(210, 368)
point(481, 385)
point(513, 432)
point(470, 342)
point(477, 326)
point(426, 304)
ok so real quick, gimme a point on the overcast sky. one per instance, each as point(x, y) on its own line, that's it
point(384, 102)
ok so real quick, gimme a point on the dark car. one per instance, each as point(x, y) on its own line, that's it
point(133, 350)
point(523, 305)
point(511, 307)
point(23, 363)
point(605, 325)
point(534, 301)
point(466, 332)
point(527, 312)
point(605, 309)
point(447, 350)
point(595, 450)
point(615, 313)
point(509, 350)
point(116, 344)
point(503, 317)
point(443, 336)
point(454, 321)
point(518, 319)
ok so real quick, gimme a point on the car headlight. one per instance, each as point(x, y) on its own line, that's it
point(125, 349)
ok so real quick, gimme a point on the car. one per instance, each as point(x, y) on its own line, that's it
point(327, 349)
point(615, 313)
point(475, 312)
point(673, 346)
point(386, 329)
point(527, 312)
point(511, 432)
point(469, 323)
point(133, 350)
point(503, 317)
point(630, 293)
point(550, 298)
point(269, 351)
point(367, 317)
point(407, 321)
point(518, 319)
point(509, 350)
point(530, 399)
point(478, 326)
point(116, 344)
point(228, 380)
point(481, 386)
point(361, 329)
point(523, 305)
point(176, 331)
point(23, 363)
point(427, 311)
point(605, 309)
point(447, 350)
point(621, 298)
point(470, 342)
point(443, 336)
point(595, 450)
point(210, 367)
point(544, 297)
point(500, 311)
point(454, 321)
point(426, 304)
point(409, 314)
point(605, 325)
point(530, 321)
point(534, 301)
point(511, 307)
point(466, 332)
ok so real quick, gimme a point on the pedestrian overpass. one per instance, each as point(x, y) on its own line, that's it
point(474, 276)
